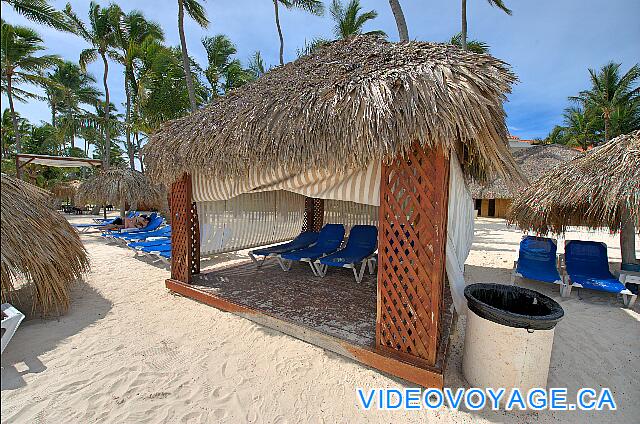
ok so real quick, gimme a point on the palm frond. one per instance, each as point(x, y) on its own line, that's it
point(196, 11)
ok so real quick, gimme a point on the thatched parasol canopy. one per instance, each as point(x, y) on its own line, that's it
point(599, 189)
point(39, 247)
point(351, 102)
point(65, 189)
point(120, 186)
point(533, 161)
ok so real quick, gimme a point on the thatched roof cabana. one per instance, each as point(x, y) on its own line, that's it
point(599, 189)
point(350, 103)
point(120, 186)
point(39, 247)
point(533, 162)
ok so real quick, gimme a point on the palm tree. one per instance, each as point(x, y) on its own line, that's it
point(498, 3)
point(162, 92)
point(219, 51)
point(7, 132)
point(315, 7)
point(556, 136)
point(41, 12)
point(349, 21)
point(102, 35)
point(579, 127)
point(256, 65)
point(609, 91)
point(133, 30)
point(474, 46)
point(223, 72)
point(94, 132)
point(403, 32)
point(198, 14)
point(70, 87)
point(20, 65)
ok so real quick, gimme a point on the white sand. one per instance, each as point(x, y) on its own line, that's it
point(131, 352)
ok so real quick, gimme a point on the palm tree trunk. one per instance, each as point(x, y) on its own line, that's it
point(14, 121)
point(275, 7)
point(628, 239)
point(106, 160)
point(606, 128)
point(127, 90)
point(139, 152)
point(463, 38)
point(401, 23)
point(185, 57)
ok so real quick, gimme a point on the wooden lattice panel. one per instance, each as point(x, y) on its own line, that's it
point(411, 254)
point(313, 214)
point(181, 230)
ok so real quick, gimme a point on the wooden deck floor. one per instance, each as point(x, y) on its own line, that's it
point(335, 304)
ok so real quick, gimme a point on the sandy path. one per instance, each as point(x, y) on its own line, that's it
point(131, 352)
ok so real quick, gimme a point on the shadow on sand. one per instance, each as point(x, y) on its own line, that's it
point(36, 336)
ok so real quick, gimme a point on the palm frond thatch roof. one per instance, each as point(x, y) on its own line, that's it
point(39, 247)
point(117, 186)
point(533, 162)
point(65, 189)
point(350, 102)
point(593, 190)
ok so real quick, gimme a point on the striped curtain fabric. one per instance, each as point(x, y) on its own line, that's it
point(358, 185)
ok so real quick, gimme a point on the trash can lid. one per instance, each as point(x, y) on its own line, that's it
point(513, 306)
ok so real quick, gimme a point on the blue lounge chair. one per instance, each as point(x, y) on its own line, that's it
point(161, 251)
point(157, 241)
point(587, 266)
point(140, 236)
point(538, 260)
point(304, 240)
point(164, 247)
point(361, 246)
point(329, 240)
point(155, 222)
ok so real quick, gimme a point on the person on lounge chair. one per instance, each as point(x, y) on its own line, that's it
point(135, 222)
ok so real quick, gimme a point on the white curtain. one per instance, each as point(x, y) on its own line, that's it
point(459, 234)
point(249, 220)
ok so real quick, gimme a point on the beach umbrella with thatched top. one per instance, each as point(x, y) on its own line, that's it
point(39, 247)
point(599, 189)
point(65, 189)
point(121, 186)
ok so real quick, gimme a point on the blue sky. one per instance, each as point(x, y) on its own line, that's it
point(549, 43)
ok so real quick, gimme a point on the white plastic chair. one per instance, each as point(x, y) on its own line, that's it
point(11, 319)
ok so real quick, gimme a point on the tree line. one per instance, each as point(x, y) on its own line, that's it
point(608, 108)
point(161, 82)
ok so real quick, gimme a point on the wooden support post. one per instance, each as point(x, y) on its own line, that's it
point(411, 255)
point(185, 249)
